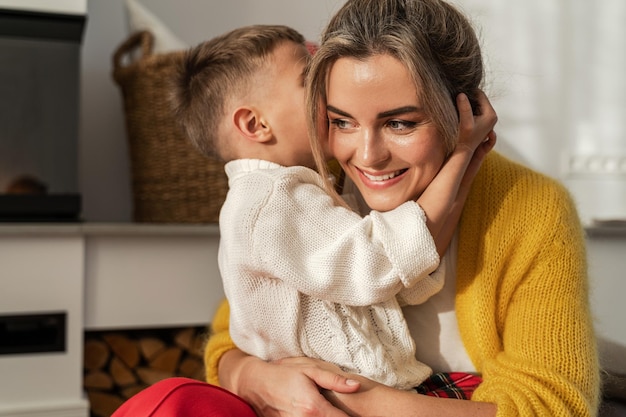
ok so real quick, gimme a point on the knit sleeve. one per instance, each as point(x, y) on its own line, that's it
point(423, 290)
point(331, 253)
point(219, 343)
point(524, 314)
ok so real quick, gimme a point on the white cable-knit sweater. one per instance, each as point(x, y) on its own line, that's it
point(305, 277)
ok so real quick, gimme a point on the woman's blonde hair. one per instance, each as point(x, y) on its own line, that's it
point(434, 41)
point(209, 74)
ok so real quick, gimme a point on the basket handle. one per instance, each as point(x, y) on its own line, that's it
point(143, 38)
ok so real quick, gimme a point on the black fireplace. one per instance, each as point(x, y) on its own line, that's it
point(39, 93)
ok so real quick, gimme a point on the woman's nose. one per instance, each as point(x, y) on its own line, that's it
point(373, 149)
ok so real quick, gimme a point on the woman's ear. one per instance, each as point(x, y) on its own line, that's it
point(250, 123)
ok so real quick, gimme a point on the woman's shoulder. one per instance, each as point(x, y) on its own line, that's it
point(505, 188)
point(499, 174)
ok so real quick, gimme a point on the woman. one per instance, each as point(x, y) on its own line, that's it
point(385, 76)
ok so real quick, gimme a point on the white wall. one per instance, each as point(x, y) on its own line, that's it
point(104, 171)
point(529, 80)
point(608, 286)
point(103, 166)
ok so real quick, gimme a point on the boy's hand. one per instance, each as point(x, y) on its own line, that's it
point(476, 134)
point(474, 130)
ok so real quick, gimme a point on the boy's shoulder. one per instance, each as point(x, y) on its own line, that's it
point(258, 169)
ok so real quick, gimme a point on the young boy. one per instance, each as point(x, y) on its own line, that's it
point(290, 258)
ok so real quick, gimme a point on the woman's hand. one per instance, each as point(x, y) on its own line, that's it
point(287, 388)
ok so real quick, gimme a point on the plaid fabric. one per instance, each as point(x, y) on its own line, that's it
point(450, 385)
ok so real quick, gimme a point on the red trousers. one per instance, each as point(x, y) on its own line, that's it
point(184, 397)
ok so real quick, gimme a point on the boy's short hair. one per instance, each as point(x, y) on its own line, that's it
point(213, 71)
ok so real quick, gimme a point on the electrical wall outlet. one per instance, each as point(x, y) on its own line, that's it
point(591, 165)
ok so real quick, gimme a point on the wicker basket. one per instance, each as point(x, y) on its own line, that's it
point(171, 181)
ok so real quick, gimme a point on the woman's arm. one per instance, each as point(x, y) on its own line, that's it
point(523, 304)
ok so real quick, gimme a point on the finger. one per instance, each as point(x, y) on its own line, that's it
point(466, 116)
point(492, 138)
point(488, 114)
point(489, 142)
point(332, 380)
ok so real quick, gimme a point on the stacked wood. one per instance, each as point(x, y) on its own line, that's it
point(117, 365)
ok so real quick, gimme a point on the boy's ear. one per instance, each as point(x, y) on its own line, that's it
point(249, 122)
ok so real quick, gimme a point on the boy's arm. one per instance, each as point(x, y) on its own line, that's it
point(443, 199)
point(332, 253)
point(444, 237)
point(303, 238)
point(374, 399)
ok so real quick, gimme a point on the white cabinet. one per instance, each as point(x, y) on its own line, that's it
point(43, 274)
point(142, 276)
point(102, 276)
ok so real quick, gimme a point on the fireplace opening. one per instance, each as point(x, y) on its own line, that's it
point(39, 107)
point(120, 363)
point(33, 333)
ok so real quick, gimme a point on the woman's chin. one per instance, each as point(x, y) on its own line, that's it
point(380, 203)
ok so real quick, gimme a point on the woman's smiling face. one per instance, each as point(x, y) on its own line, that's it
point(379, 131)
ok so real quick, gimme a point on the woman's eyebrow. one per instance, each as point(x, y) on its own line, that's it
point(388, 113)
point(339, 112)
point(399, 111)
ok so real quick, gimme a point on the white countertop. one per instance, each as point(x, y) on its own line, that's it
point(118, 229)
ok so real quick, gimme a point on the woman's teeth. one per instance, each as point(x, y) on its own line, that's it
point(383, 177)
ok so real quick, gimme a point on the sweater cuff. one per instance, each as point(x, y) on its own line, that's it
point(219, 342)
point(407, 242)
point(217, 345)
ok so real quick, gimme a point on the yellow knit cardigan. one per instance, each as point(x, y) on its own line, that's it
point(521, 300)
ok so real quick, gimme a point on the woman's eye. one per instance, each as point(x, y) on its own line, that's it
point(400, 124)
point(340, 123)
